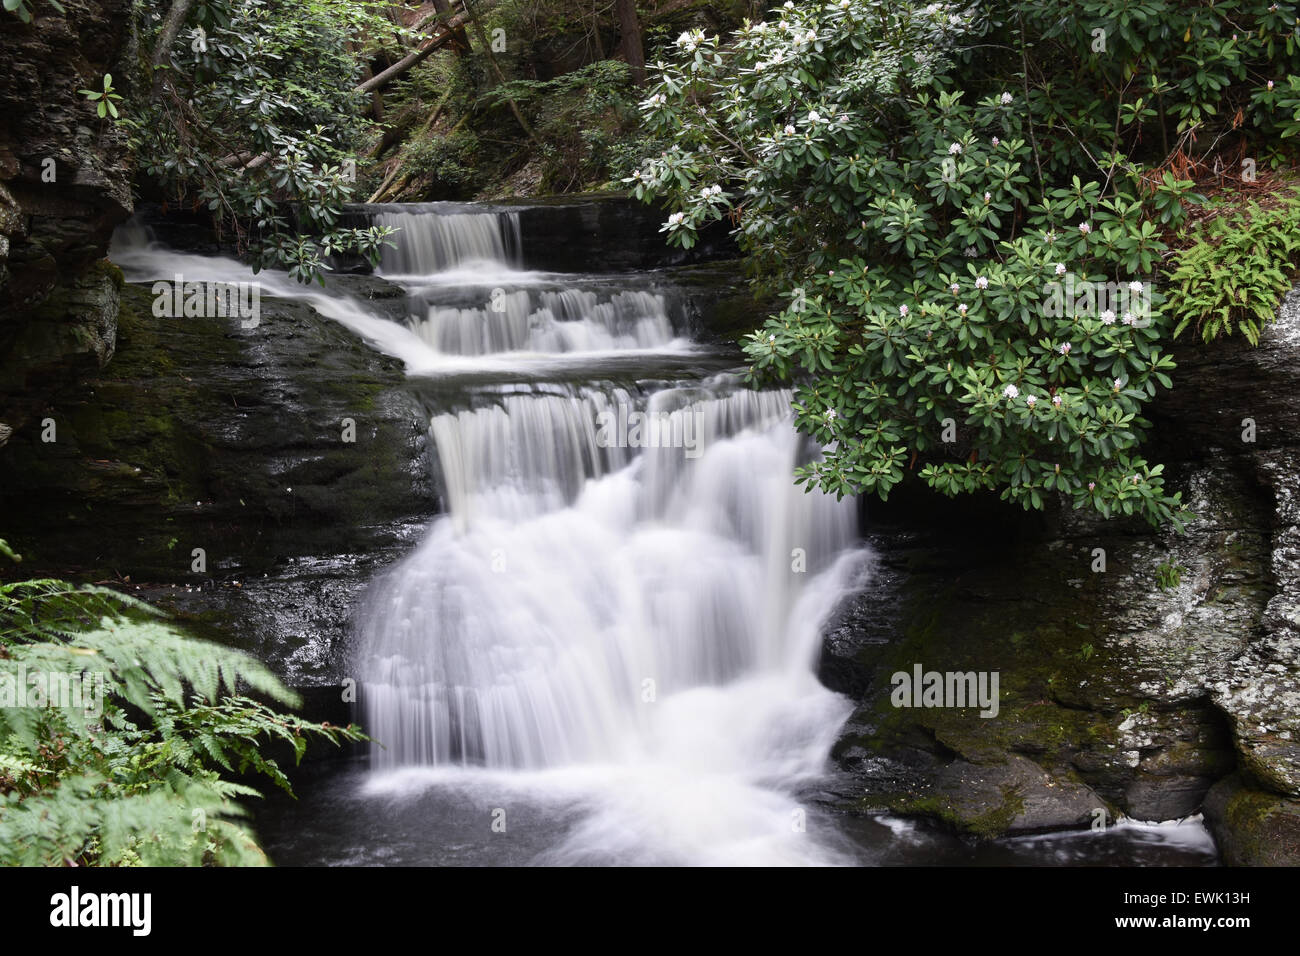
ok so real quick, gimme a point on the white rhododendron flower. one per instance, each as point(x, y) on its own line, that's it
point(690, 42)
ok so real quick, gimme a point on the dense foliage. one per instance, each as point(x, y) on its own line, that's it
point(253, 111)
point(452, 124)
point(1236, 270)
point(967, 208)
point(136, 767)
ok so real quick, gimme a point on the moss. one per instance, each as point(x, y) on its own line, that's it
point(114, 273)
point(1250, 815)
point(988, 825)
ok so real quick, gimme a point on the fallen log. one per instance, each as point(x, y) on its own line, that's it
point(447, 33)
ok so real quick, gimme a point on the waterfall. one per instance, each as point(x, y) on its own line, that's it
point(620, 610)
point(594, 598)
point(541, 622)
point(561, 320)
point(434, 240)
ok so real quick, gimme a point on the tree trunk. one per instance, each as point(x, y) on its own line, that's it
point(379, 79)
point(459, 37)
point(496, 68)
point(629, 29)
point(404, 64)
point(171, 28)
point(434, 43)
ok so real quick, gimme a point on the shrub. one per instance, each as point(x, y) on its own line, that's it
point(947, 196)
point(256, 118)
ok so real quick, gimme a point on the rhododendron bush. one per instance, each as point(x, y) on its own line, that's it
point(958, 210)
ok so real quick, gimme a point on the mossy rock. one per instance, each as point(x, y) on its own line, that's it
point(203, 434)
point(1253, 827)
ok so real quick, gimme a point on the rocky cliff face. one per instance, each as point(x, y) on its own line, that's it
point(203, 434)
point(64, 185)
point(1118, 696)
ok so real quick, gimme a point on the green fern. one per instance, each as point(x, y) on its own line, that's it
point(1235, 274)
point(136, 779)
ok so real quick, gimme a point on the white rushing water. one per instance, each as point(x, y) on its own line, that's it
point(626, 633)
point(634, 629)
point(519, 326)
point(434, 238)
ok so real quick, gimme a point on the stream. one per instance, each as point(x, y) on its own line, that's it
point(604, 650)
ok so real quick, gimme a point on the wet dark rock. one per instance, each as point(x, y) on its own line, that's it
point(203, 434)
point(1253, 827)
point(608, 233)
point(64, 185)
point(1117, 691)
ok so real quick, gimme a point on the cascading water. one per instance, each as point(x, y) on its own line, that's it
point(634, 615)
point(603, 650)
point(529, 628)
point(619, 614)
point(434, 238)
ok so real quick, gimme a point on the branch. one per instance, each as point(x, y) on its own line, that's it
point(171, 28)
point(431, 45)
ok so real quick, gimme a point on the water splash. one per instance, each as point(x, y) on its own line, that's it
point(625, 635)
point(633, 629)
point(545, 616)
